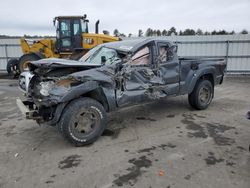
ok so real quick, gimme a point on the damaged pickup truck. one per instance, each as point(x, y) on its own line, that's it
point(76, 95)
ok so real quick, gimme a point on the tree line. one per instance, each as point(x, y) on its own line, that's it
point(172, 31)
point(27, 36)
point(152, 32)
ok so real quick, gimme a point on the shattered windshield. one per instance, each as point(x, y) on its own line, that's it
point(94, 56)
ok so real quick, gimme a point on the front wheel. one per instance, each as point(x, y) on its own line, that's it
point(83, 121)
point(202, 95)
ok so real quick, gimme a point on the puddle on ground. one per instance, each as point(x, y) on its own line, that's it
point(152, 148)
point(187, 177)
point(170, 116)
point(145, 118)
point(199, 131)
point(134, 171)
point(214, 130)
point(69, 162)
point(212, 160)
point(49, 181)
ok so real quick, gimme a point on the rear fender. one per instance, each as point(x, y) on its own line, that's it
point(198, 74)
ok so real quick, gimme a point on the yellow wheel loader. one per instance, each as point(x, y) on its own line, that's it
point(72, 41)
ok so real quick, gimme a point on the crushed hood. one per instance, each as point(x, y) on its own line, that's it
point(61, 63)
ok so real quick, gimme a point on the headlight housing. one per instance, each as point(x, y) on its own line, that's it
point(45, 87)
point(24, 81)
point(57, 88)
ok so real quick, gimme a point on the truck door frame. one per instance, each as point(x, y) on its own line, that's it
point(168, 70)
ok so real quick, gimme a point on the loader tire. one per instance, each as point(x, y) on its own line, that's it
point(25, 59)
point(83, 121)
point(12, 67)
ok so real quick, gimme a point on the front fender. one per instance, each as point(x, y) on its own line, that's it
point(79, 90)
point(198, 74)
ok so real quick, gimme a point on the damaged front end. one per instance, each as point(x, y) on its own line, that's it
point(45, 97)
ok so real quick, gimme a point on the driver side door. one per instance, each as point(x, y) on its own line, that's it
point(139, 82)
point(168, 67)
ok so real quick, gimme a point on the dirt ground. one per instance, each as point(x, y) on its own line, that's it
point(164, 144)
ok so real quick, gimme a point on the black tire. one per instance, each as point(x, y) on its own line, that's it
point(82, 121)
point(202, 95)
point(12, 67)
point(24, 59)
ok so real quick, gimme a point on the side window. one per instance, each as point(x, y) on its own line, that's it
point(141, 57)
point(84, 26)
point(166, 54)
point(65, 28)
point(163, 53)
point(76, 27)
point(65, 33)
point(108, 53)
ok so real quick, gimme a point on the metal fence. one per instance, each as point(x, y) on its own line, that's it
point(234, 48)
point(5, 53)
point(237, 57)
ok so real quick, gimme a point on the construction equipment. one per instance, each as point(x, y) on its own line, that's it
point(72, 41)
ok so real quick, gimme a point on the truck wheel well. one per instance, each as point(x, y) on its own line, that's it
point(208, 77)
point(98, 95)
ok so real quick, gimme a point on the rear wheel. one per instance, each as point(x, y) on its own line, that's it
point(83, 121)
point(23, 62)
point(202, 95)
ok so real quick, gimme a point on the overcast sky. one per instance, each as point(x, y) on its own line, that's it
point(128, 16)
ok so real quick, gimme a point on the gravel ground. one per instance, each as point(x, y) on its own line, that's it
point(162, 144)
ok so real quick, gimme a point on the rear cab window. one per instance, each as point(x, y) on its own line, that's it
point(166, 54)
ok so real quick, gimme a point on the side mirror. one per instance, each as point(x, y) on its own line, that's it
point(103, 60)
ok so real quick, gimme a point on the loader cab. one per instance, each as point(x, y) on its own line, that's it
point(69, 31)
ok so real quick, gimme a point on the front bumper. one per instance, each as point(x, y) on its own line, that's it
point(28, 109)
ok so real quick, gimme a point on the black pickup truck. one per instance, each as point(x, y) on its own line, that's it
point(76, 95)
